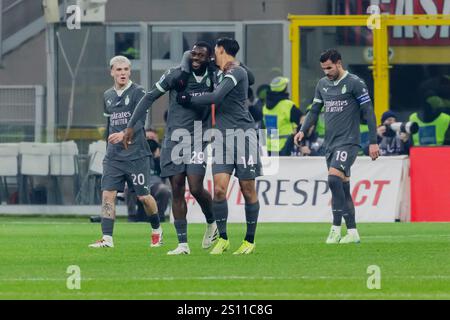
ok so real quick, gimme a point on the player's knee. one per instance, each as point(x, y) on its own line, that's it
point(249, 197)
point(109, 196)
point(249, 193)
point(149, 202)
point(178, 187)
point(178, 194)
point(143, 198)
point(196, 190)
point(219, 193)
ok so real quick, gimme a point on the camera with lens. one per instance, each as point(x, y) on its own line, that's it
point(398, 127)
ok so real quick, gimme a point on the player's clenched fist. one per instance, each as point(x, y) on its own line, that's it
point(298, 137)
point(184, 99)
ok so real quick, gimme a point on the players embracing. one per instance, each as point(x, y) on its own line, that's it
point(180, 130)
point(235, 143)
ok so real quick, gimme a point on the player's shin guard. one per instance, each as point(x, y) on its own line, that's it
point(220, 209)
point(151, 209)
point(154, 221)
point(107, 226)
point(338, 202)
point(181, 228)
point(251, 216)
point(349, 217)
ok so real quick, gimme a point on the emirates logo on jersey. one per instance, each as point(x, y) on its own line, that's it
point(120, 115)
point(335, 105)
point(120, 118)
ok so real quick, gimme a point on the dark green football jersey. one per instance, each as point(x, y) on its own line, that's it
point(342, 101)
point(179, 116)
point(119, 109)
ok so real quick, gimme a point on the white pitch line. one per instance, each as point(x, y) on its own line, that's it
point(226, 278)
point(43, 223)
point(90, 223)
point(408, 236)
point(239, 293)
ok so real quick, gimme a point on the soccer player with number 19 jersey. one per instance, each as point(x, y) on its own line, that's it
point(343, 96)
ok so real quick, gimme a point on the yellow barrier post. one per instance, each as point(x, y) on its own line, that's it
point(294, 37)
point(381, 69)
point(380, 46)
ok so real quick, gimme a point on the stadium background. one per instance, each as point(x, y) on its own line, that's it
point(50, 155)
point(45, 97)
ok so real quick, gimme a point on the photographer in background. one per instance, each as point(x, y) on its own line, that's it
point(392, 140)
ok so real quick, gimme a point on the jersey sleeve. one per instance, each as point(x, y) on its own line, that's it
point(105, 110)
point(107, 115)
point(236, 74)
point(313, 114)
point(166, 81)
point(144, 103)
point(217, 96)
point(317, 95)
point(250, 75)
point(139, 94)
point(360, 92)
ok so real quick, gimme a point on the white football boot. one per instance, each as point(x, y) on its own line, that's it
point(211, 234)
point(334, 236)
point(104, 242)
point(183, 248)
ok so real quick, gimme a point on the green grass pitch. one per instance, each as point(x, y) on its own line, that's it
point(291, 262)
